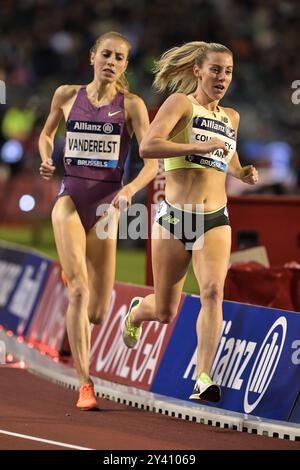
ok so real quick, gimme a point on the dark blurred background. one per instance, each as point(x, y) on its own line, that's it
point(45, 43)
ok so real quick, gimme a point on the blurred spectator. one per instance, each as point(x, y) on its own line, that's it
point(273, 160)
point(44, 43)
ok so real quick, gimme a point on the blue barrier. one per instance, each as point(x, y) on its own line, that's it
point(256, 364)
point(22, 279)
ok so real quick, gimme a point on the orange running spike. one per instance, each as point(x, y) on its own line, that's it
point(87, 399)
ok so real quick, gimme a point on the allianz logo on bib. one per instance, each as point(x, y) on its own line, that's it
point(108, 128)
point(230, 368)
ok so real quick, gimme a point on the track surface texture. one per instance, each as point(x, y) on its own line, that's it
point(32, 406)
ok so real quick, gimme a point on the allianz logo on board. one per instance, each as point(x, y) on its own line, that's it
point(265, 363)
point(228, 371)
point(233, 355)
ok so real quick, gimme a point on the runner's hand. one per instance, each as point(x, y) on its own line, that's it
point(213, 144)
point(47, 169)
point(249, 174)
point(122, 200)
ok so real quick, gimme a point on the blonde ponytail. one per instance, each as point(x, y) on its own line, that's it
point(174, 70)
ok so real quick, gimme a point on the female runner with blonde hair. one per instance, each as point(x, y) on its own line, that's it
point(101, 118)
point(196, 137)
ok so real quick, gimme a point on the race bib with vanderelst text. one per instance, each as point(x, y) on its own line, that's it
point(92, 144)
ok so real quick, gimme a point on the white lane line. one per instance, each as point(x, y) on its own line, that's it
point(47, 441)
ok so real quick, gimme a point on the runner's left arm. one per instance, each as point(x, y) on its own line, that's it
point(139, 122)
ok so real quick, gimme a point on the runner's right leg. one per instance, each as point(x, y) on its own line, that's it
point(71, 246)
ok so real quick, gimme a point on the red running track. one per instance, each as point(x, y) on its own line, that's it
point(32, 406)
